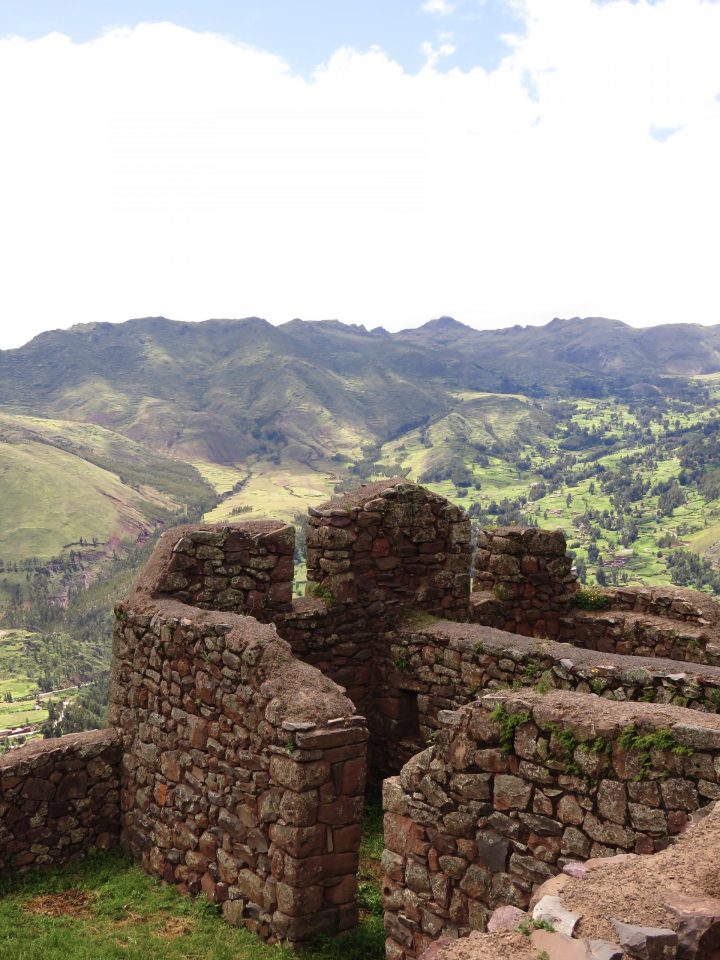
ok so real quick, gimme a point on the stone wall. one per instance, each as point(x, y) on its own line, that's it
point(443, 665)
point(391, 543)
point(373, 555)
point(662, 905)
point(642, 635)
point(338, 640)
point(517, 784)
point(523, 580)
point(59, 799)
point(674, 603)
point(649, 622)
point(243, 768)
point(245, 568)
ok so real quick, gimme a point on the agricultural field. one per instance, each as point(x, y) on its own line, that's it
point(39, 673)
point(628, 483)
point(277, 490)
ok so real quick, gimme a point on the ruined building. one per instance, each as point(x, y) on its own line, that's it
point(514, 732)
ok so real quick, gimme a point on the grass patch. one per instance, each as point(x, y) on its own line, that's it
point(370, 871)
point(107, 907)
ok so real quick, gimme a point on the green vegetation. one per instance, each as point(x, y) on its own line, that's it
point(590, 598)
point(509, 722)
point(86, 711)
point(323, 593)
point(108, 907)
point(648, 744)
point(72, 487)
point(527, 926)
point(370, 871)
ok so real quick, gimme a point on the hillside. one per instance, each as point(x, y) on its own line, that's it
point(109, 432)
point(572, 350)
point(64, 482)
point(225, 390)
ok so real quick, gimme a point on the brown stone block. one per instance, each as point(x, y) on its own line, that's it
point(284, 569)
point(314, 870)
point(342, 892)
point(343, 810)
point(207, 885)
point(511, 793)
point(402, 834)
point(299, 902)
point(35, 789)
point(545, 848)
point(299, 809)
point(380, 547)
point(612, 801)
point(298, 841)
point(250, 885)
point(298, 776)
point(281, 592)
point(353, 777)
point(346, 839)
point(196, 861)
point(160, 794)
point(73, 786)
point(24, 859)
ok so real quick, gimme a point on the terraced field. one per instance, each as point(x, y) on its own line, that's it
point(516, 450)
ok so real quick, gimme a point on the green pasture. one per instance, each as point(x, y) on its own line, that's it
point(276, 491)
point(109, 908)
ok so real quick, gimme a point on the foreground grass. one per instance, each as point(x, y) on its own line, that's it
point(107, 908)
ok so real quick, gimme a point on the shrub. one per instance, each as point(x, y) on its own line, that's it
point(590, 598)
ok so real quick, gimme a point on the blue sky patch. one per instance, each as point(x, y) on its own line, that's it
point(304, 34)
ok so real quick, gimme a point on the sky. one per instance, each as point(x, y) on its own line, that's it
point(499, 161)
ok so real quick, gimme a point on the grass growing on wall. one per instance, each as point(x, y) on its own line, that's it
point(107, 907)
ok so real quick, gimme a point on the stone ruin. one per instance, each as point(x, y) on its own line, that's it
point(514, 733)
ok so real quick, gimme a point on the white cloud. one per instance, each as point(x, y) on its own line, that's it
point(434, 54)
point(441, 7)
point(159, 171)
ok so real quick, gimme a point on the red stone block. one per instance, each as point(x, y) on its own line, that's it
point(402, 834)
point(381, 547)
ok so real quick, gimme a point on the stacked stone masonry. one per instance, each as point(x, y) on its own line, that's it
point(661, 622)
point(59, 799)
point(242, 753)
point(517, 785)
point(446, 664)
point(243, 769)
point(373, 555)
point(392, 543)
point(523, 580)
point(245, 569)
point(672, 911)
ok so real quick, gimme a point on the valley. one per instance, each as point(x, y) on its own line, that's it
point(109, 434)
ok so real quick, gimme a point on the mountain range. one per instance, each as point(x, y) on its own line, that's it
point(108, 429)
point(226, 389)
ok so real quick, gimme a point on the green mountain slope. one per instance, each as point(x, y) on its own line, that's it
point(225, 390)
point(107, 431)
point(63, 482)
